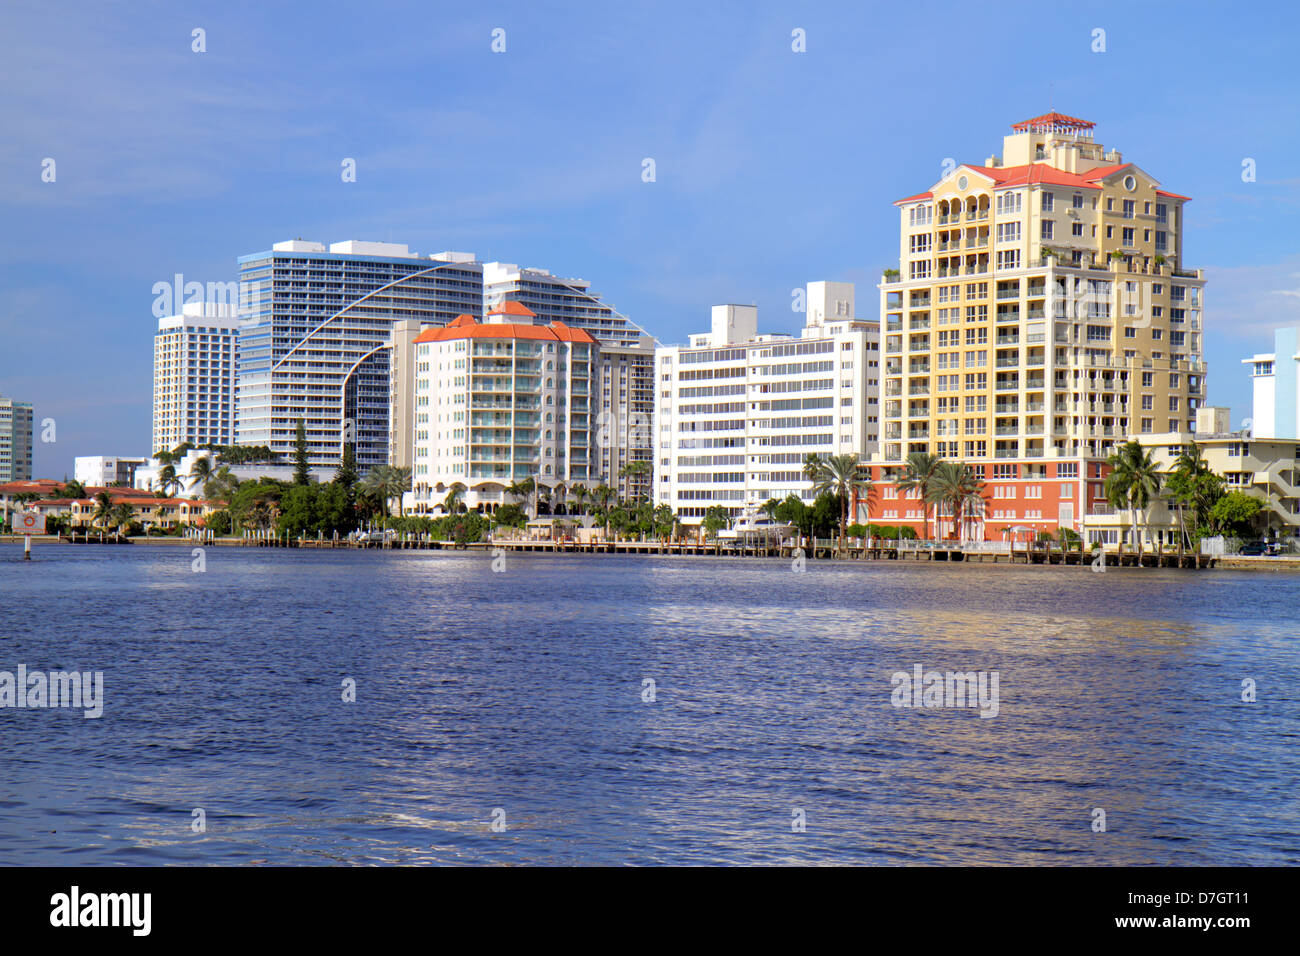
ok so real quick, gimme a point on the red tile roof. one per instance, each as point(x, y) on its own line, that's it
point(513, 308)
point(1041, 173)
point(464, 327)
point(1053, 122)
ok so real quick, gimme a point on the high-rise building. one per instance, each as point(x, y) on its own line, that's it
point(194, 377)
point(316, 337)
point(739, 412)
point(625, 400)
point(15, 440)
point(1042, 310)
point(1275, 393)
point(500, 401)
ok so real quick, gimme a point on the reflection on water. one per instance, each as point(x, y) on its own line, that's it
point(523, 691)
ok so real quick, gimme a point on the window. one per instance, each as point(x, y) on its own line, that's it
point(1048, 199)
point(1008, 232)
point(1076, 229)
point(1008, 259)
point(1078, 201)
point(1047, 228)
point(1008, 203)
point(1128, 236)
point(1129, 208)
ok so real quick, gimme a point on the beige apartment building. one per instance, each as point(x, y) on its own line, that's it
point(1041, 310)
point(1264, 468)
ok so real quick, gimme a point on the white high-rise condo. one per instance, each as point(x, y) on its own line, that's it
point(500, 401)
point(15, 440)
point(193, 376)
point(738, 412)
point(625, 399)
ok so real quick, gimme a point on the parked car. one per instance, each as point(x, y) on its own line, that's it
point(1254, 549)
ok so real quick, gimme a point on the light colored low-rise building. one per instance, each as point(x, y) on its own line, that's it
point(146, 508)
point(148, 477)
point(105, 470)
point(1265, 468)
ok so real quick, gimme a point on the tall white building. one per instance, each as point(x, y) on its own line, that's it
point(1276, 394)
point(15, 440)
point(193, 376)
point(500, 401)
point(738, 412)
point(625, 399)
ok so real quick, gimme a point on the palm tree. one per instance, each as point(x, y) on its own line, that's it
point(634, 469)
point(387, 482)
point(954, 484)
point(917, 475)
point(580, 495)
point(1192, 484)
point(201, 472)
point(1133, 481)
point(812, 463)
point(603, 494)
point(72, 489)
point(103, 508)
point(837, 476)
point(168, 482)
point(122, 515)
point(452, 503)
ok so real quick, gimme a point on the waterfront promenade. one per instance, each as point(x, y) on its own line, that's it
point(983, 552)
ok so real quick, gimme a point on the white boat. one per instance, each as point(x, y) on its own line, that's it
point(755, 525)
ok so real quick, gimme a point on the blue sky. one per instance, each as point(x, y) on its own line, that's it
point(773, 168)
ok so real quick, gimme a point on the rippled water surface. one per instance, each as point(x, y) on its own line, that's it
point(523, 691)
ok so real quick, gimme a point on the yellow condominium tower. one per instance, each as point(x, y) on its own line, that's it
point(1041, 308)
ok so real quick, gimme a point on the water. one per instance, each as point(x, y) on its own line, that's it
point(522, 691)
